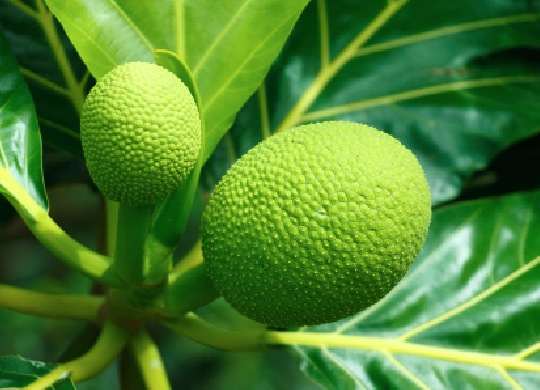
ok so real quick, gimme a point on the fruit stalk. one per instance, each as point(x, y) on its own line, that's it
point(132, 229)
point(188, 291)
point(214, 336)
point(107, 347)
point(149, 360)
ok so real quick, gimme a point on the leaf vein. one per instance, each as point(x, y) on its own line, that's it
point(263, 111)
point(506, 376)
point(417, 93)
point(65, 130)
point(471, 301)
point(323, 34)
point(525, 353)
point(46, 19)
point(398, 346)
point(493, 242)
point(405, 281)
point(79, 28)
point(24, 8)
point(324, 76)
point(29, 74)
point(179, 12)
point(307, 359)
point(344, 369)
point(132, 25)
point(447, 30)
point(405, 371)
point(220, 37)
point(225, 85)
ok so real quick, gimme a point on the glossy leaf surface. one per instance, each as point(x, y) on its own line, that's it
point(455, 82)
point(20, 141)
point(16, 372)
point(465, 316)
point(171, 215)
point(228, 48)
point(55, 74)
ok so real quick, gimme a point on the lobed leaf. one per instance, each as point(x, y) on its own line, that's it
point(56, 76)
point(228, 48)
point(455, 82)
point(17, 372)
point(465, 316)
point(20, 141)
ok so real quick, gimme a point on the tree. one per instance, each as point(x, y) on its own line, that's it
point(457, 83)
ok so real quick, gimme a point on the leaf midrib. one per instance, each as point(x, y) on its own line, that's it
point(405, 281)
point(132, 25)
point(300, 112)
point(471, 301)
point(401, 345)
point(417, 93)
point(447, 30)
point(243, 65)
point(397, 346)
point(219, 38)
point(327, 73)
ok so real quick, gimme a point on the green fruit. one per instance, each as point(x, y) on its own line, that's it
point(315, 224)
point(140, 132)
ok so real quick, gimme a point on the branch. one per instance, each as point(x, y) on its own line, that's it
point(107, 347)
point(77, 307)
point(58, 242)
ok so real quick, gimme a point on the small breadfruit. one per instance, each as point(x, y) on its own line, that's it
point(315, 224)
point(140, 132)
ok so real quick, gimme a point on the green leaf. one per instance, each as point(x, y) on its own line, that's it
point(56, 76)
point(16, 372)
point(465, 316)
point(172, 62)
point(455, 81)
point(20, 141)
point(171, 215)
point(228, 48)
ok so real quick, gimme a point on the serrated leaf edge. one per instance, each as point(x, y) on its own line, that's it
point(242, 66)
point(417, 381)
point(448, 30)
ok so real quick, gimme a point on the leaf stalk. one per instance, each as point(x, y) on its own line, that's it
point(62, 306)
point(107, 347)
point(52, 237)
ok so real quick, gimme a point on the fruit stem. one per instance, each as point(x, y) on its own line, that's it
point(149, 360)
point(132, 229)
point(52, 237)
point(75, 307)
point(214, 336)
point(111, 212)
point(188, 291)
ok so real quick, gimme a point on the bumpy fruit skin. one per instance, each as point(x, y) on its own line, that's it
point(315, 224)
point(141, 133)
